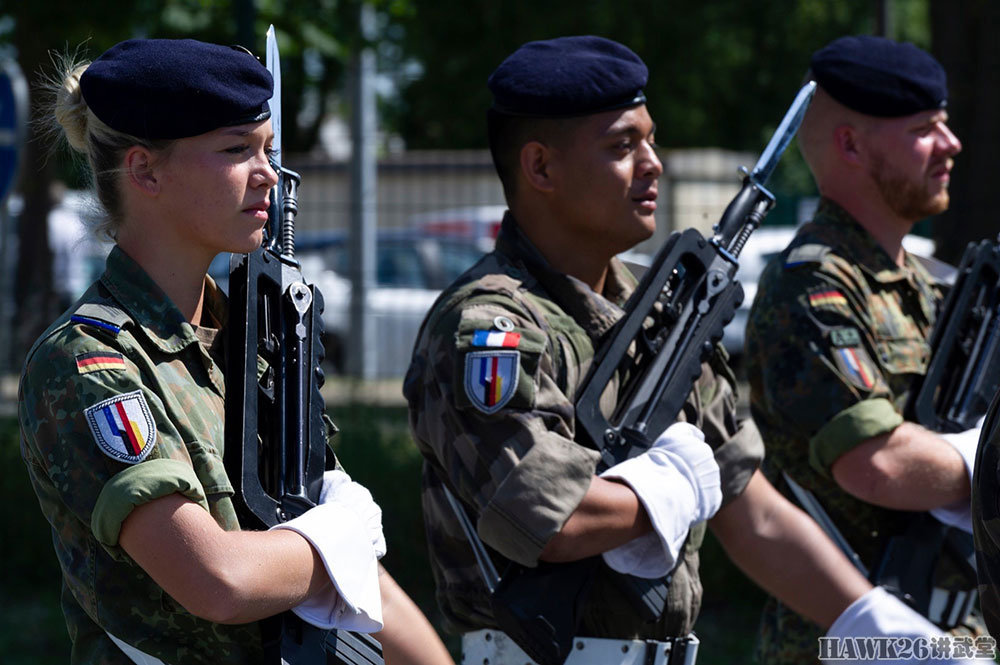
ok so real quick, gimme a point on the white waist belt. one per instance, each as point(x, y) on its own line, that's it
point(496, 648)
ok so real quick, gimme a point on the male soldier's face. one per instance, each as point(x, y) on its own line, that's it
point(605, 173)
point(911, 162)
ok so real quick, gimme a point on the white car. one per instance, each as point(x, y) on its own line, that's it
point(764, 244)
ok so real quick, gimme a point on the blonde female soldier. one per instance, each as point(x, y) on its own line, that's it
point(122, 398)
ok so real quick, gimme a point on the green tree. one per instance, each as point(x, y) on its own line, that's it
point(720, 72)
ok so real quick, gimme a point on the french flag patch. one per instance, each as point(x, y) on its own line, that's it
point(496, 339)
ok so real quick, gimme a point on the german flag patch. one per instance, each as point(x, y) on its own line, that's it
point(827, 298)
point(98, 360)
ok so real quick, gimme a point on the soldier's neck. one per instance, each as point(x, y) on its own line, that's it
point(570, 254)
point(875, 216)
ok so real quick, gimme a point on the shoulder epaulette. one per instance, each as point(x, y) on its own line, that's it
point(105, 317)
point(807, 253)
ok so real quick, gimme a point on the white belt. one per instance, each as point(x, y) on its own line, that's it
point(496, 648)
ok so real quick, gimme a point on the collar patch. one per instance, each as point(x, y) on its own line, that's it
point(123, 427)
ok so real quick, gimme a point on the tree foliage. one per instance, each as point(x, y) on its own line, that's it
point(721, 73)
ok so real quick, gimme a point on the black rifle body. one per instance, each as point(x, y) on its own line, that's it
point(964, 371)
point(276, 433)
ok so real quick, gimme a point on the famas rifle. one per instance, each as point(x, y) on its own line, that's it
point(276, 431)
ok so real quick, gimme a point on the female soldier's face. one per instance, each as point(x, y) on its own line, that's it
point(216, 185)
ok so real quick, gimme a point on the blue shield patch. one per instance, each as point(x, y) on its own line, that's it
point(491, 378)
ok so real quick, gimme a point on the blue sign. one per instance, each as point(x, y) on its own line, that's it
point(13, 119)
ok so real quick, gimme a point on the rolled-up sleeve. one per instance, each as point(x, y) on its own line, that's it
point(812, 368)
point(64, 452)
point(137, 485)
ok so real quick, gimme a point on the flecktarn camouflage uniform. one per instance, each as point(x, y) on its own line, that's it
point(491, 391)
point(835, 337)
point(986, 518)
point(121, 402)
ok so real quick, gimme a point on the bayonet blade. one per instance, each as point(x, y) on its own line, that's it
point(783, 135)
point(273, 64)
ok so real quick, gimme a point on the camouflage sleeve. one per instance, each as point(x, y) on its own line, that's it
point(986, 520)
point(499, 426)
point(809, 346)
point(711, 406)
point(96, 439)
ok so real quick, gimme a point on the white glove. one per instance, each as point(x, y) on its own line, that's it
point(339, 488)
point(959, 514)
point(345, 529)
point(879, 614)
point(677, 480)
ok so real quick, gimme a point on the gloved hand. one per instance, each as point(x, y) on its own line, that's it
point(959, 514)
point(677, 481)
point(339, 488)
point(880, 614)
point(345, 529)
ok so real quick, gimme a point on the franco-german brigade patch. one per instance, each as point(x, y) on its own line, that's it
point(491, 378)
point(123, 427)
point(854, 363)
point(98, 360)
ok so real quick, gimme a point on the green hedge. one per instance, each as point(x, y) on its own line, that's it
point(375, 447)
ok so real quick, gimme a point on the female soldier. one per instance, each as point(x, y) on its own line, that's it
point(121, 399)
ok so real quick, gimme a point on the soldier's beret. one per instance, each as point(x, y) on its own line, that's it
point(880, 77)
point(568, 76)
point(174, 88)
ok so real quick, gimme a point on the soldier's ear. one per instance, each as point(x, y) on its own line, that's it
point(847, 142)
point(535, 163)
point(139, 171)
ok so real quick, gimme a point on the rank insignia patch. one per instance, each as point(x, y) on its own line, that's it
point(854, 363)
point(845, 337)
point(123, 427)
point(491, 378)
point(91, 362)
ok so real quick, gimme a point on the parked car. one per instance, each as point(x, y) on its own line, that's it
point(411, 269)
point(479, 224)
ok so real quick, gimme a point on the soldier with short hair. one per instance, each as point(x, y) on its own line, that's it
point(840, 324)
point(500, 357)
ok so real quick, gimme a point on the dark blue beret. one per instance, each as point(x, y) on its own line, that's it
point(880, 77)
point(174, 88)
point(568, 76)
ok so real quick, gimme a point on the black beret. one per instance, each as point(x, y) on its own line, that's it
point(880, 77)
point(174, 88)
point(568, 76)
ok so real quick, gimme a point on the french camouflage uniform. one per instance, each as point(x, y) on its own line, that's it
point(835, 338)
point(508, 451)
point(121, 402)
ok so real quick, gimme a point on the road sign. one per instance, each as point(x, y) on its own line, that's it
point(13, 120)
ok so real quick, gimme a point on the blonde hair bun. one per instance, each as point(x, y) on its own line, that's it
point(71, 110)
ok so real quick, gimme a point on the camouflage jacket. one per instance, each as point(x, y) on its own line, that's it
point(986, 518)
point(496, 416)
point(121, 402)
point(835, 337)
